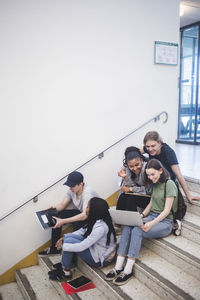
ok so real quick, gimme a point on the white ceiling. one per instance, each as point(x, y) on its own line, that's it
point(191, 12)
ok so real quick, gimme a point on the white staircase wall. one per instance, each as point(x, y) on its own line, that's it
point(75, 76)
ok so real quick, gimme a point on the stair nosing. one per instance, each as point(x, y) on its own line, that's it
point(49, 264)
point(192, 180)
point(166, 284)
point(114, 289)
point(184, 222)
point(178, 250)
point(26, 284)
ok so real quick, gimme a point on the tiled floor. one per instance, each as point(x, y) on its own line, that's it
point(189, 159)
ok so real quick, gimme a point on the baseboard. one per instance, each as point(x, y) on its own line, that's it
point(32, 259)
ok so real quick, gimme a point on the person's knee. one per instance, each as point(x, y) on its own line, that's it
point(71, 240)
point(68, 235)
point(137, 231)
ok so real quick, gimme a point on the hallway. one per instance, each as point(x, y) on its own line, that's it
point(189, 159)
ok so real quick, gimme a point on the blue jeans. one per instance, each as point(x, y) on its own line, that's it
point(67, 257)
point(131, 239)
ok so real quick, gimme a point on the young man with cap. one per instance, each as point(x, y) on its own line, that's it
point(79, 194)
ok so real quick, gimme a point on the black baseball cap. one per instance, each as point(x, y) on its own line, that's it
point(74, 178)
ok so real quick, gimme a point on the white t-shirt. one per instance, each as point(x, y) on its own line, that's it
point(82, 202)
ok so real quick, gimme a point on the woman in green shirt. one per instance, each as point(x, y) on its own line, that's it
point(157, 219)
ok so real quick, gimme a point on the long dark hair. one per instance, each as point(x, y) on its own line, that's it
point(131, 153)
point(157, 165)
point(99, 210)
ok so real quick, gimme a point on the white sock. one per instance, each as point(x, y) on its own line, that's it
point(129, 266)
point(119, 262)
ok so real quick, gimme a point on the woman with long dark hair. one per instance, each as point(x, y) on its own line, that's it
point(94, 243)
point(133, 174)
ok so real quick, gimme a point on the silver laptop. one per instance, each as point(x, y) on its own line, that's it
point(124, 217)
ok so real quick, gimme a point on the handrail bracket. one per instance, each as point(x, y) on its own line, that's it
point(101, 155)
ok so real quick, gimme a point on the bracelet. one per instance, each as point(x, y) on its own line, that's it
point(143, 215)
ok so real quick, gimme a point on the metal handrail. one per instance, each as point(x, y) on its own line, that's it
point(100, 155)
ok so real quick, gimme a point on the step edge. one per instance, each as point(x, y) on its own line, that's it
point(191, 179)
point(47, 263)
point(167, 285)
point(178, 251)
point(191, 225)
point(24, 285)
point(115, 290)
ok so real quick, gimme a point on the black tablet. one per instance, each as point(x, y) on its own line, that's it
point(79, 282)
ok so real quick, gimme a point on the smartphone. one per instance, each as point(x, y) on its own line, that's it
point(79, 282)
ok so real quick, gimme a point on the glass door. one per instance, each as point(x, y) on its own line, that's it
point(189, 107)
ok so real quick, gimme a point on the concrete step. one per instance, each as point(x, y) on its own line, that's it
point(193, 184)
point(35, 284)
point(10, 291)
point(178, 251)
point(154, 280)
point(194, 208)
point(134, 289)
point(46, 265)
point(191, 227)
point(180, 282)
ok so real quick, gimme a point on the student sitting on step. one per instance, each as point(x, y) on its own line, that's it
point(133, 175)
point(79, 194)
point(154, 146)
point(95, 243)
point(157, 219)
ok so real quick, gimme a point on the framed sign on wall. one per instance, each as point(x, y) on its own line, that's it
point(165, 53)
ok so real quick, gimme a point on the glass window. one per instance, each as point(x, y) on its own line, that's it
point(189, 119)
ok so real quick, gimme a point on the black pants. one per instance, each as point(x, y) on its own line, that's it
point(131, 202)
point(67, 213)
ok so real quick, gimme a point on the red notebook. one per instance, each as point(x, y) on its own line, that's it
point(79, 284)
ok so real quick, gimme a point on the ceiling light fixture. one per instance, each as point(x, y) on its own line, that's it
point(181, 12)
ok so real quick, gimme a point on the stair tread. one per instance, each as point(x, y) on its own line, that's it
point(135, 289)
point(40, 283)
point(192, 218)
point(84, 295)
point(171, 272)
point(10, 291)
point(182, 243)
point(195, 194)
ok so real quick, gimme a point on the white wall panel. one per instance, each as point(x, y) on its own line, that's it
point(75, 76)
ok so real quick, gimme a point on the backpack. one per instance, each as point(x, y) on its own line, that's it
point(180, 213)
point(181, 207)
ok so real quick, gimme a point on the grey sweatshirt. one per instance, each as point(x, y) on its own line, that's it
point(96, 242)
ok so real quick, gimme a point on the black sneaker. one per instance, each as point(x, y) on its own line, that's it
point(112, 274)
point(57, 266)
point(59, 274)
point(49, 251)
point(122, 278)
